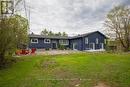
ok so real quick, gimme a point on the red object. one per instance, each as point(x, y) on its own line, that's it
point(18, 52)
point(24, 52)
point(33, 50)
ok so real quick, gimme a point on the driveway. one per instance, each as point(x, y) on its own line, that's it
point(55, 52)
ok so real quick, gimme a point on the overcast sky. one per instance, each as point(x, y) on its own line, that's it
point(71, 16)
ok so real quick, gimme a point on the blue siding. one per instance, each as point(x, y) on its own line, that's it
point(40, 44)
point(79, 41)
point(92, 39)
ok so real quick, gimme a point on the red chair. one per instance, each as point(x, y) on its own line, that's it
point(33, 50)
point(26, 52)
point(23, 52)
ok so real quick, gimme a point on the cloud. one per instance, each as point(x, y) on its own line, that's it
point(71, 16)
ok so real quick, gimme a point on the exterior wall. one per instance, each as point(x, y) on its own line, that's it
point(78, 42)
point(92, 39)
point(40, 44)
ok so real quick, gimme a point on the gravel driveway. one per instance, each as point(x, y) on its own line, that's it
point(55, 52)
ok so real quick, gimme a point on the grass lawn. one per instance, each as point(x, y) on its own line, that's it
point(74, 70)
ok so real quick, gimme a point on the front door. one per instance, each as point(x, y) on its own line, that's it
point(54, 45)
point(92, 46)
point(74, 46)
point(101, 46)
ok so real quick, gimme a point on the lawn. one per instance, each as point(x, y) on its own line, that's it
point(72, 70)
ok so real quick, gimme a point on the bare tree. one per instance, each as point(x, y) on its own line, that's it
point(118, 22)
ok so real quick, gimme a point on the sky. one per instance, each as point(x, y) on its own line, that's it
point(70, 16)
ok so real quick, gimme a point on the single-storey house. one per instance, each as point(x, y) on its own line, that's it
point(89, 41)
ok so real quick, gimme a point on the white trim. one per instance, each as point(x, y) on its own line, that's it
point(102, 45)
point(45, 41)
point(93, 46)
point(35, 40)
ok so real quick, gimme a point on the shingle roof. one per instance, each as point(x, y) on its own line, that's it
point(64, 37)
point(86, 34)
point(46, 36)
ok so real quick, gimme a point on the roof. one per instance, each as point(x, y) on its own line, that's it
point(64, 37)
point(87, 34)
point(46, 36)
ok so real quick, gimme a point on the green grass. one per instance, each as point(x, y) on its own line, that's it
point(84, 69)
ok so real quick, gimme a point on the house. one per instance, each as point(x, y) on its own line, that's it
point(89, 41)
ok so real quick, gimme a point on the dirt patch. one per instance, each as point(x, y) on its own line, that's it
point(74, 83)
point(68, 77)
point(62, 73)
point(48, 64)
point(102, 84)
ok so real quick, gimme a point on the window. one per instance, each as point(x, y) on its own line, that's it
point(96, 40)
point(64, 42)
point(47, 40)
point(34, 40)
point(105, 41)
point(86, 40)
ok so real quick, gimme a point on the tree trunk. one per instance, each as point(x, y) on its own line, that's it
point(126, 49)
point(2, 58)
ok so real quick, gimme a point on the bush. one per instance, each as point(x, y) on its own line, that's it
point(47, 49)
point(62, 47)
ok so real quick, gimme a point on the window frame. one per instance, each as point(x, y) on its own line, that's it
point(47, 41)
point(86, 40)
point(34, 39)
point(61, 42)
point(97, 41)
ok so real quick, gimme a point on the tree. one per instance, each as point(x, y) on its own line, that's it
point(44, 32)
point(59, 34)
point(118, 22)
point(64, 34)
point(51, 33)
point(13, 33)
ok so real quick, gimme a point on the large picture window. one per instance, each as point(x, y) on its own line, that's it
point(64, 42)
point(47, 41)
point(34, 40)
